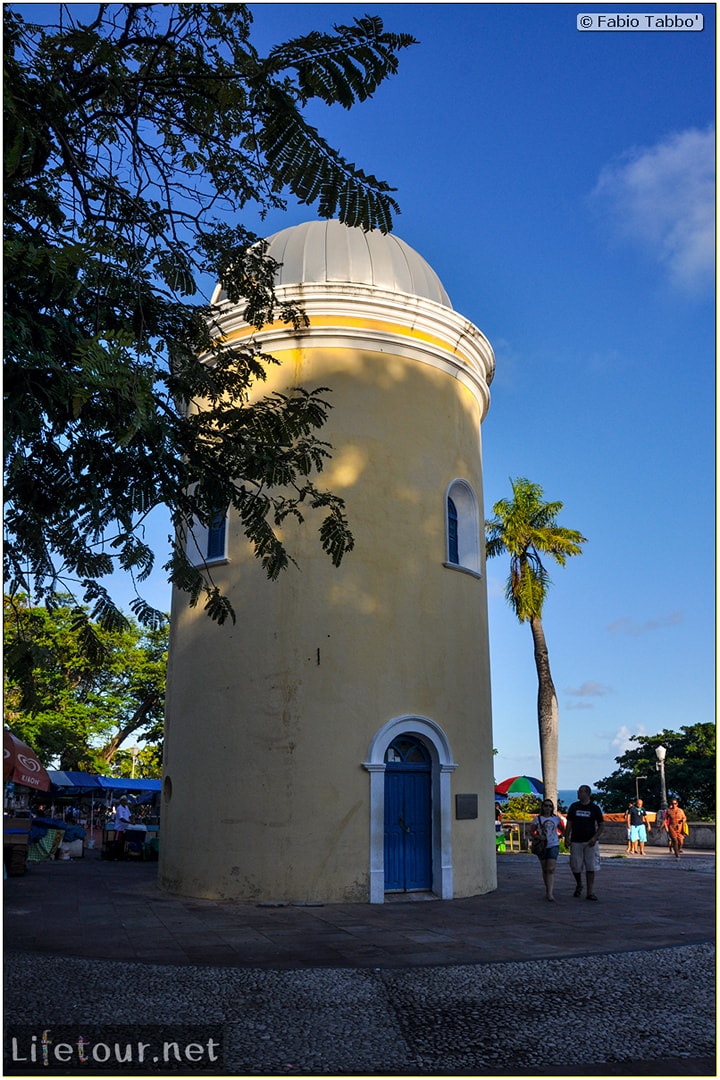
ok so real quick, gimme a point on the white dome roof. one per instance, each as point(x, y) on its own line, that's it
point(329, 252)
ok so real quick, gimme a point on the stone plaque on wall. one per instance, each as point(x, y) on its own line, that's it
point(466, 806)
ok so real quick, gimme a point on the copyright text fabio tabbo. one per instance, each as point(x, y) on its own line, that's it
point(685, 20)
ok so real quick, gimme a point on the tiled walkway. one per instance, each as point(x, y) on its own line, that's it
point(92, 908)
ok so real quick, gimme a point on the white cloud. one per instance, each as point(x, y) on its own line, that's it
point(633, 629)
point(663, 197)
point(621, 742)
point(588, 689)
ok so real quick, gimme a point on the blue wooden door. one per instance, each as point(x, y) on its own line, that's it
point(408, 832)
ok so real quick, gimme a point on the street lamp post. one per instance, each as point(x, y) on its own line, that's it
point(660, 753)
point(134, 750)
point(637, 792)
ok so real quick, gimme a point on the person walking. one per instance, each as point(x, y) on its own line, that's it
point(675, 823)
point(585, 825)
point(639, 827)
point(629, 847)
point(549, 825)
point(660, 823)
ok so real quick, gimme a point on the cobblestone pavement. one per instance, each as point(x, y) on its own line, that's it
point(470, 987)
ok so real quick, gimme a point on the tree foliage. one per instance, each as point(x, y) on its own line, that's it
point(145, 763)
point(135, 135)
point(521, 807)
point(75, 691)
point(690, 772)
point(525, 528)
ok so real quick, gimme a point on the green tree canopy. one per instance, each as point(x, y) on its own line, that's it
point(521, 807)
point(690, 772)
point(135, 136)
point(77, 704)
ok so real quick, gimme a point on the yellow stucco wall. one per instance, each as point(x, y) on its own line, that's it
point(269, 721)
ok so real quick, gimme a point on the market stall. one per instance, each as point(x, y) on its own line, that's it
point(23, 774)
point(142, 838)
point(76, 795)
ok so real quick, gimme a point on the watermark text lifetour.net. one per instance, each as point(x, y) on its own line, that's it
point(74, 1049)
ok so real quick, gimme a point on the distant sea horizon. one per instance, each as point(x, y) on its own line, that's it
point(566, 796)
point(569, 795)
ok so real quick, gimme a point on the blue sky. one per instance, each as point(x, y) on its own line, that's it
point(561, 183)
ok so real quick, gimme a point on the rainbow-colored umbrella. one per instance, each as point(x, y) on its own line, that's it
point(521, 785)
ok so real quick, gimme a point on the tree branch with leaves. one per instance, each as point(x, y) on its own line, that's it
point(135, 136)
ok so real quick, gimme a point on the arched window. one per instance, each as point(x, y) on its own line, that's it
point(463, 528)
point(216, 536)
point(407, 750)
point(208, 543)
point(452, 528)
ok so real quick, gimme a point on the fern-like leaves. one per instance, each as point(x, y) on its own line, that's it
point(315, 173)
point(345, 67)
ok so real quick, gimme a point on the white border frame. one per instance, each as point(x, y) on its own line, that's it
point(443, 766)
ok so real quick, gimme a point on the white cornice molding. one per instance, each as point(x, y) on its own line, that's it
point(365, 317)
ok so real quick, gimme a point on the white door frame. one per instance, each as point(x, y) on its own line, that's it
point(442, 768)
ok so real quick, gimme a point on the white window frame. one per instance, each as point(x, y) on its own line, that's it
point(468, 528)
point(196, 546)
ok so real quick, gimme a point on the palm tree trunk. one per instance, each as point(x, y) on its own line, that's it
point(547, 713)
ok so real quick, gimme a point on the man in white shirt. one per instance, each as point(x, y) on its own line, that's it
point(120, 824)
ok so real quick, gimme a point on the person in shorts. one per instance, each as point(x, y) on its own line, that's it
point(585, 824)
point(639, 827)
point(548, 824)
point(675, 823)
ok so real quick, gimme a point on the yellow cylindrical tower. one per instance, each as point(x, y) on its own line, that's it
point(335, 744)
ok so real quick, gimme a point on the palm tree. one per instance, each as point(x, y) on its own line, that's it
point(525, 528)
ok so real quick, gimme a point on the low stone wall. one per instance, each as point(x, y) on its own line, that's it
point(701, 836)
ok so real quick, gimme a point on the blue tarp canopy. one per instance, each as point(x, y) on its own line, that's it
point(125, 784)
point(80, 783)
point(74, 783)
